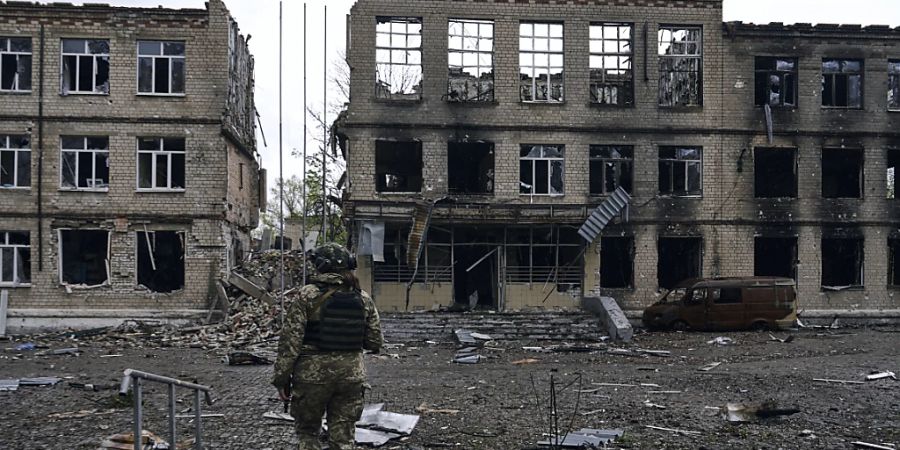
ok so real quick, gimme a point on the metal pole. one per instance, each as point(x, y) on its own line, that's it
point(172, 441)
point(305, 112)
point(325, 132)
point(138, 425)
point(198, 422)
point(280, 164)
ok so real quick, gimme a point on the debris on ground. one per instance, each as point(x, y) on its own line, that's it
point(92, 386)
point(710, 366)
point(783, 341)
point(125, 441)
point(525, 361)
point(872, 446)
point(746, 412)
point(673, 430)
point(881, 375)
point(40, 381)
point(425, 409)
point(375, 427)
point(247, 359)
point(583, 438)
point(9, 385)
point(61, 351)
point(828, 380)
point(721, 340)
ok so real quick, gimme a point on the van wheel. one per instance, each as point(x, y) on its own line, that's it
point(680, 325)
point(760, 325)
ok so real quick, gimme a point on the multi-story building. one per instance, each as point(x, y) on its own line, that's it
point(747, 149)
point(129, 179)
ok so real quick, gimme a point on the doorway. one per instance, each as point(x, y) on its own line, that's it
point(475, 280)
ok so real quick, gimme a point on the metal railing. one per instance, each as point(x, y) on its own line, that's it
point(133, 378)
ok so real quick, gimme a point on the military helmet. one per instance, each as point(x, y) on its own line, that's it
point(332, 257)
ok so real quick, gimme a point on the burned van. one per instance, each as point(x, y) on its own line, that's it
point(758, 303)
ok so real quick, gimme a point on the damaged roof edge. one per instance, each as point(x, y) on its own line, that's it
point(737, 28)
point(96, 7)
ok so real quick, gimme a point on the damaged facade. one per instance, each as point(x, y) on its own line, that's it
point(747, 149)
point(129, 179)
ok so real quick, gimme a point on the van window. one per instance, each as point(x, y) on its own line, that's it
point(698, 295)
point(726, 295)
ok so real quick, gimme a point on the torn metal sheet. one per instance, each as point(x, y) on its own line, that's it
point(472, 359)
point(465, 338)
point(39, 381)
point(374, 438)
point(9, 385)
point(371, 240)
point(389, 421)
point(370, 412)
point(585, 437)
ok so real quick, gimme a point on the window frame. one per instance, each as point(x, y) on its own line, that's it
point(407, 21)
point(781, 74)
point(893, 251)
point(619, 163)
point(5, 245)
point(153, 58)
point(672, 28)
point(78, 153)
point(860, 244)
point(795, 167)
point(5, 140)
point(861, 189)
point(862, 83)
point(478, 52)
point(95, 65)
point(161, 151)
point(142, 241)
point(550, 53)
point(687, 163)
point(420, 156)
point(894, 84)
point(59, 259)
point(892, 154)
point(550, 160)
point(628, 85)
point(6, 49)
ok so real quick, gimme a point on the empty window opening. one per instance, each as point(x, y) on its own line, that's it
point(84, 257)
point(842, 262)
point(470, 167)
point(679, 259)
point(398, 58)
point(894, 85)
point(617, 262)
point(541, 68)
point(893, 160)
point(394, 269)
point(85, 163)
point(161, 163)
point(475, 280)
point(15, 161)
point(15, 258)
point(775, 173)
point(775, 257)
point(545, 255)
point(611, 167)
point(894, 262)
point(842, 83)
point(612, 53)
point(776, 81)
point(398, 166)
point(15, 64)
point(160, 67)
point(471, 58)
point(541, 169)
point(681, 171)
point(160, 260)
point(842, 173)
point(85, 66)
point(680, 66)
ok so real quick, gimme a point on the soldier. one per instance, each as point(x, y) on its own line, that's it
point(320, 354)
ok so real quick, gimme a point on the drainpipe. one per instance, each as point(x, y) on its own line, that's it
point(40, 174)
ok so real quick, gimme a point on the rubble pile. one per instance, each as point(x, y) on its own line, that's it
point(264, 269)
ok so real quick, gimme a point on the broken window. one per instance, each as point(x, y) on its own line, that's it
point(470, 167)
point(679, 259)
point(612, 78)
point(15, 258)
point(894, 85)
point(894, 262)
point(842, 262)
point(85, 66)
point(545, 255)
point(84, 257)
point(398, 58)
point(85, 162)
point(775, 257)
point(161, 163)
point(617, 262)
point(842, 173)
point(893, 160)
point(398, 166)
point(471, 59)
point(775, 172)
point(541, 62)
point(160, 260)
point(842, 83)
point(680, 171)
point(394, 269)
point(15, 161)
point(611, 167)
point(541, 169)
point(776, 81)
point(160, 67)
point(15, 64)
point(680, 66)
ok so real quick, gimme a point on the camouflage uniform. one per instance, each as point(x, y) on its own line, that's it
point(323, 382)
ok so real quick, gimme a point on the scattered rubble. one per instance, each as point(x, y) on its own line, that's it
point(881, 375)
point(583, 438)
point(721, 340)
point(744, 412)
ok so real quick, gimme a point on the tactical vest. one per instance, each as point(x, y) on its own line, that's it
point(341, 326)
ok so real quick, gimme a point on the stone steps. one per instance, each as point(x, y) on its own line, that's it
point(548, 326)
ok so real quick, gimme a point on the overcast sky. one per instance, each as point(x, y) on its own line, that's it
point(259, 18)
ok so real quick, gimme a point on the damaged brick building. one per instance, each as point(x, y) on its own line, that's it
point(129, 179)
point(489, 130)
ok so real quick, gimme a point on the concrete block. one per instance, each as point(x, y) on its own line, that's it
point(609, 312)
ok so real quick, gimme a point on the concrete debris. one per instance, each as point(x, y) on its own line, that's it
point(425, 409)
point(125, 441)
point(612, 316)
point(710, 366)
point(247, 359)
point(583, 438)
point(745, 412)
point(525, 361)
point(721, 340)
point(93, 387)
point(881, 375)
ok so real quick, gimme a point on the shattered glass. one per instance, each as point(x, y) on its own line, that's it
point(893, 94)
point(398, 55)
